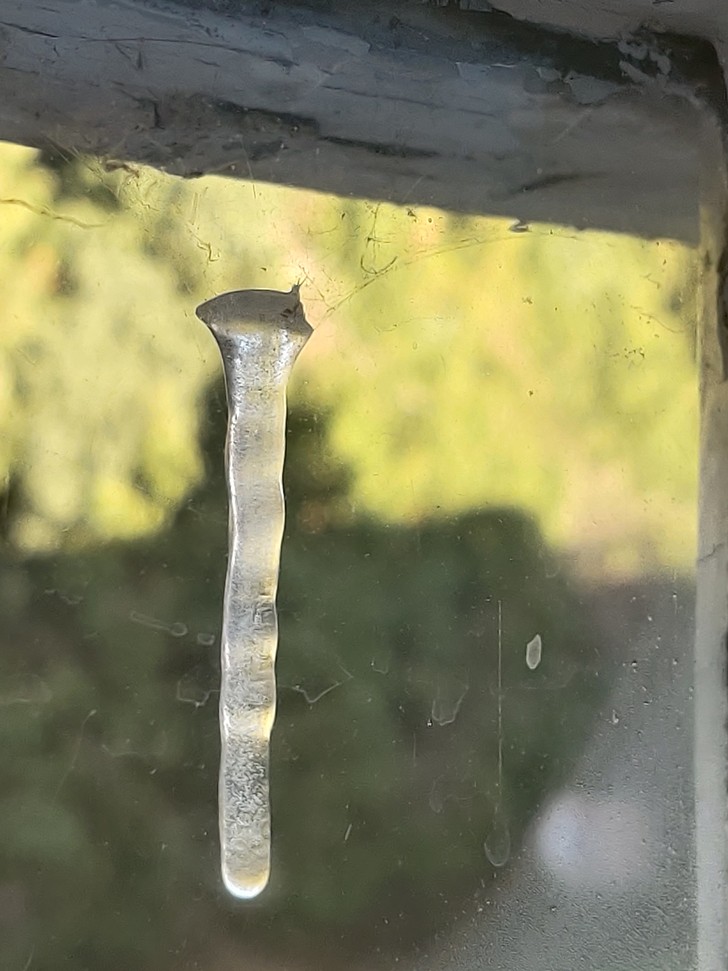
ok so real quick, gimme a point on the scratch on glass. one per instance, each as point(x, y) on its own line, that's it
point(497, 844)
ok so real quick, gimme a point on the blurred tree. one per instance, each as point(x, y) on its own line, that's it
point(386, 787)
point(103, 365)
point(580, 345)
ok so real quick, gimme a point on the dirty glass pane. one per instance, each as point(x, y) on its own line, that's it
point(482, 753)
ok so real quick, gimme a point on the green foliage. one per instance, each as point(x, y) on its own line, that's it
point(103, 364)
point(547, 370)
point(580, 345)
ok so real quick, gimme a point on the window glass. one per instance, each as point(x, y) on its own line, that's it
point(482, 753)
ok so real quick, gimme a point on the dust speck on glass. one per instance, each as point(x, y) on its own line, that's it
point(482, 750)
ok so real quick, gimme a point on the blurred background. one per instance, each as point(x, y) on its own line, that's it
point(482, 752)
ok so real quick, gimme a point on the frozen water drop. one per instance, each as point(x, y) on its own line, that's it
point(260, 333)
point(533, 652)
point(497, 845)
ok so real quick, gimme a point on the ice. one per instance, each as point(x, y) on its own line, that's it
point(260, 333)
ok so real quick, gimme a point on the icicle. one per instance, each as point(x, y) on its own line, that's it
point(260, 333)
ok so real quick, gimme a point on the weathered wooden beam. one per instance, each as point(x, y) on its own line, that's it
point(428, 107)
